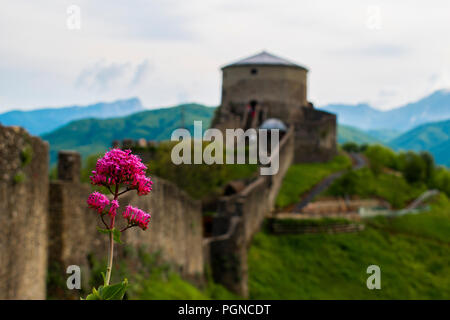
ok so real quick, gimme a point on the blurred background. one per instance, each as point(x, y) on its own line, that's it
point(85, 76)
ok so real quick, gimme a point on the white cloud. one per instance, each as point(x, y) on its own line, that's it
point(142, 71)
point(169, 51)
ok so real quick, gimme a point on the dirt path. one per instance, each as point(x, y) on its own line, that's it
point(358, 163)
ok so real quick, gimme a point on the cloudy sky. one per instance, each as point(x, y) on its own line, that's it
point(385, 53)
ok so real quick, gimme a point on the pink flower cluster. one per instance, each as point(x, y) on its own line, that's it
point(122, 167)
point(99, 202)
point(113, 208)
point(137, 217)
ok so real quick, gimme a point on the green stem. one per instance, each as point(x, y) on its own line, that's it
point(111, 244)
point(110, 260)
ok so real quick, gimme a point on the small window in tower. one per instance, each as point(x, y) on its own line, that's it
point(254, 71)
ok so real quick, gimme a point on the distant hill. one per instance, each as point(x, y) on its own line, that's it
point(360, 116)
point(441, 153)
point(352, 134)
point(42, 121)
point(96, 135)
point(433, 137)
point(435, 107)
point(384, 135)
point(90, 136)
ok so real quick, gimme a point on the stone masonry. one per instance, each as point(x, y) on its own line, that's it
point(266, 86)
point(23, 214)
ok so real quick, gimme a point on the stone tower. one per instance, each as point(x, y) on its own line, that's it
point(265, 86)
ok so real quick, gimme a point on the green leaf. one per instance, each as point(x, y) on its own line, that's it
point(92, 297)
point(95, 295)
point(105, 231)
point(116, 235)
point(114, 291)
point(104, 277)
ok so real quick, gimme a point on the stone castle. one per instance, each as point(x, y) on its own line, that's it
point(265, 86)
point(50, 227)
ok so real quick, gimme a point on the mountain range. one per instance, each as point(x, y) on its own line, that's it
point(433, 137)
point(432, 108)
point(90, 136)
point(45, 120)
point(417, 126)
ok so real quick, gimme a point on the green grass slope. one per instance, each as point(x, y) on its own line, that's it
point(413, 252)
point(91, 136)
point(303, 176)
point(173, 287)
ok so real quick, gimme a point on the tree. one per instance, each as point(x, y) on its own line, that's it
point(350, 147)
point(414, 167)
point(429, 166)
point(380, 157)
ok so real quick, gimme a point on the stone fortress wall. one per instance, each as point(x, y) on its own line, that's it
point(175, 232)
point(48, 224)
point(239, 217)
point(23, 214)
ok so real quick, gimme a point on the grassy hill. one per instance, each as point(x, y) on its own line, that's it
point(90, 136)
point(413, 252)
point(365, 184)
point(301, 177)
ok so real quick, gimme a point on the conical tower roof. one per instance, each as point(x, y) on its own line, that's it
point(264, 58)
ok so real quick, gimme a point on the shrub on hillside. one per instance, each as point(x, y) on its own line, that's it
point(412, 166)
point(379, 157)
point(364, 183)
point(200, 180)
point(354, 147)
point(350, 147)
